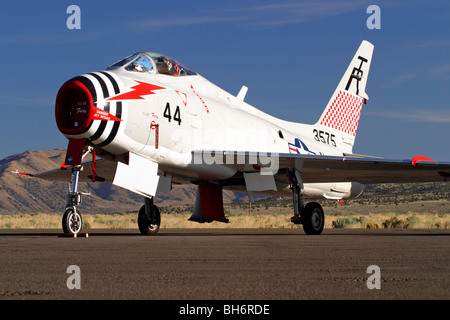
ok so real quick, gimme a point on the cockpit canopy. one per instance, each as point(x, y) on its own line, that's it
point(148, 62)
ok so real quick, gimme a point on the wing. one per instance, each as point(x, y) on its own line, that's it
point(366, 170)
point(131, 172)
point(102, 171)
point(316, 169)
point(313, 169)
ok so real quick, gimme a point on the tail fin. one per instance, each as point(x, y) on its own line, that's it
point(341, 116)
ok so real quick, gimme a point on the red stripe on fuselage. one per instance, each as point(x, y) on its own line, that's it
point(137, 92)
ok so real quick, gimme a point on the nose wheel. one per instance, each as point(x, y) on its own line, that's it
point(72, 221)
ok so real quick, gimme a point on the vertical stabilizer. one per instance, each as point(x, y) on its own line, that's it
point(341, 115)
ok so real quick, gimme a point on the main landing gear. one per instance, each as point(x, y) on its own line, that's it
point(311, 215)
point(149, 218)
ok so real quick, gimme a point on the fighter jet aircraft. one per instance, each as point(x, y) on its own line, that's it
point(148, 122)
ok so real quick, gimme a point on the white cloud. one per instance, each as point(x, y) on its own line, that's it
point(43, 38)
point(434, 43)
point(265, 15)
point(179, 22)
point(295, 13)
point(443, 69)
point(429, 116)
point(399, 80)
point(17, 101)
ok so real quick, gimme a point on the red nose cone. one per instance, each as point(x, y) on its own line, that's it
point(73, 108)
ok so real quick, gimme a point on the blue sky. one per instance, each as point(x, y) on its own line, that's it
point(291, 55)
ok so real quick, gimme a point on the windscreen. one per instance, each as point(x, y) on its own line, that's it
point(146, 62)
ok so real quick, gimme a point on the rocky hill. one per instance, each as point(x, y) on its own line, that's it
point(25, 194)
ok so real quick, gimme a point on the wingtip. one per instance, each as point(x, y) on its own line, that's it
point(419, 158)
point(22, 173)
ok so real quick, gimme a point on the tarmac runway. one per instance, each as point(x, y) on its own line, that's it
point(226, 264)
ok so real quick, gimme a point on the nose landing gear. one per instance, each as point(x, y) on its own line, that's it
point(72, 221)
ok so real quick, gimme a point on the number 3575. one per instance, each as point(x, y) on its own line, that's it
point(324, 137)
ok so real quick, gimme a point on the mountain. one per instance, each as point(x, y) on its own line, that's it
point(25, 194)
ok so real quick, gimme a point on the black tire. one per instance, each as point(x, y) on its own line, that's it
point(313, 218)
point(72, 221)
point(149, 225)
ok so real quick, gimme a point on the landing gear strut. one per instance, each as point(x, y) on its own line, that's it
point(310, 216)
point(149, 218)
point(72, 221)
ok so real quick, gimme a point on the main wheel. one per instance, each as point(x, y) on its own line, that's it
point(313, 218)
point(71, 221)
point(149, 225)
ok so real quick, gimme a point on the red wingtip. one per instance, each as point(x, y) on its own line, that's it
point(419, 158)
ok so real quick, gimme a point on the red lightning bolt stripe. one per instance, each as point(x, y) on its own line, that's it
point(137, 92)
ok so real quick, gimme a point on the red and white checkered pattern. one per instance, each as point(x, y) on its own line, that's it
point(343, 113)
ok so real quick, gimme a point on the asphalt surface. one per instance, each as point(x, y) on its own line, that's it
point(226, 264)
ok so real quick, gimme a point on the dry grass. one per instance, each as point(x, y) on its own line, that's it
point(391, 220)
point(264, 218)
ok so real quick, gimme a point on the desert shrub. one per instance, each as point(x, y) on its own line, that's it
point(395, 222)
point(411, 221)
point(362, 220)
point(345, 213)
point(371, 225)
point(348, 221)
point(7, 225)
point(344, 222)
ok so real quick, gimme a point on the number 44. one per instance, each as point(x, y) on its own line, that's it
point(176, 116)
